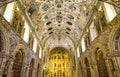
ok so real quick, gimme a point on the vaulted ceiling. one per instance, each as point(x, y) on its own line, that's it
point(61, 20)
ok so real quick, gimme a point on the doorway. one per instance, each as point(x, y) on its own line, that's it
point(17, 64)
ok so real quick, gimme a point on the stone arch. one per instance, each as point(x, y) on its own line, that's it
point(115, 57)
point(17, 63)
point(98, 45)
point(1, 41)
point(17, 47)
point(18, 53)
point(4, 48)
point(4, 42)
point(101, 64)
point(87, 64)
point(31, 68)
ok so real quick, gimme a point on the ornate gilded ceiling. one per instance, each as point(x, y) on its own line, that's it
point(61, 18)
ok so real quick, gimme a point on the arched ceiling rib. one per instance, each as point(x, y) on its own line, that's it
point(59, 41)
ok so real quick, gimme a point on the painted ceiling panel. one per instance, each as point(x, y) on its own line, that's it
point(62, 17)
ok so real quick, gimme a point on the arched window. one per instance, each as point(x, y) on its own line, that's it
point(117, 40)
point(117, 46)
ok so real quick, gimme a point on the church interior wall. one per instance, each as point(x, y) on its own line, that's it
point(104, 42)
point(12, 43)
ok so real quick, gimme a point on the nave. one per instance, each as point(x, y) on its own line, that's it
point(59, 38)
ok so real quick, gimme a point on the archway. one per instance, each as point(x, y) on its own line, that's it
point(101, 64)
point(17, 64)
point(31, 68)
point(87, 68)
point(59, 63)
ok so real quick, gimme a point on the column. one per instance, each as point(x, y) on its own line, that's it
point(10, 64)
point(3, 59)
point(25, 70)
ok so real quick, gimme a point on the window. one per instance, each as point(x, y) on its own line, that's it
point(35, 45)
point(117, 45)
point(8, 14)
point(117, 41)
point(26, 33)
point(40, 52)
point(83, 45)
point(109, 11)
point(93, 31)
point(78, 52)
